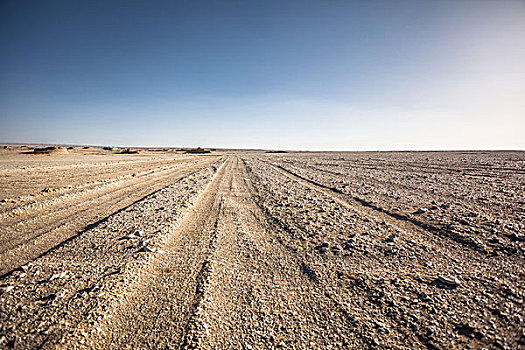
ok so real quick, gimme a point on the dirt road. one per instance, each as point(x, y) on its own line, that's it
point(239, 251)
point(34, 224)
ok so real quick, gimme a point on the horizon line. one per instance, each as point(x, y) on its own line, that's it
point(254, 149)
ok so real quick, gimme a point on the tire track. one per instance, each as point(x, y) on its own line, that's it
point(378, 213)
point(196, 327)
point(258, 294)
point(64, 204)
point(24, 212)
point(63, 296)
point(328, 273)
point(377, 262)
point(35, 205)
point(80, 233)
point(162, 312)
point(28, 242)
point(22, 181)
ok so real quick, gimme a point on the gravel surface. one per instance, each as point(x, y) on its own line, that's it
point(64, 205)
point(259, 251)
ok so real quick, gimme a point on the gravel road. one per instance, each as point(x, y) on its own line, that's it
point(247, 250)
point(33, 224)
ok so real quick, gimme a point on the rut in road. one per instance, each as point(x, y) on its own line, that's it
point(29, 236)
point(372, 210)
point(158, 312)
point(261, 294)
point(242, 254)
point(72, 287)
point(226, 281)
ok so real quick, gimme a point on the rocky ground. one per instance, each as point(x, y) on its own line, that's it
point(257, 251)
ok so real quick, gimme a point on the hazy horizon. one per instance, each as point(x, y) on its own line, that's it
point(297, 75)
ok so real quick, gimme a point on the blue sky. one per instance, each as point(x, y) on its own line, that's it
point(319, 75)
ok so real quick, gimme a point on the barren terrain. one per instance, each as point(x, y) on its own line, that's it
point(253, 250)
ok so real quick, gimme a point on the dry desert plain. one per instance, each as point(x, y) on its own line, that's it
point(254, 250)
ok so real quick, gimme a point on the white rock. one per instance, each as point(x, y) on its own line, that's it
point(142, 243)
point(449, 280)
point(6, 289)
point(58, 275)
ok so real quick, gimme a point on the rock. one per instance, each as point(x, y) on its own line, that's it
point(383, 331)
point(142, 243)
point(348, 244)
point(6, 289)
point(421, 211)
point(391, 238)
point(136, 234)
point(469, 331)
point(424, 297)
point(49, 297)
point(147, 249)
point(96, 288)
point(336, 249)
point(495, 240)
point(323, 247)
point(448, 280)
point(58, 276)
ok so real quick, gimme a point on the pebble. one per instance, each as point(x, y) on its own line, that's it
point(391, 238)
point(448, 280)
point(147, 249)
point(383, 331)
point(57, 276)
point(6, 289)
point(96, 288)
point(131, 236)
point(142, 243)
point(323, 248)
point(336, 249)
point(424, 297)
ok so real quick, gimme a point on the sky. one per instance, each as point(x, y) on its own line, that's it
point(298, 75)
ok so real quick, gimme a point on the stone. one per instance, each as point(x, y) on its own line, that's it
point(6, 289)
point(142, 243)
point(147, 249)
point(448, 280)
point(424, 297)
point(135, 234)
point(336, 249)
point(391, 238)
point(57, 276)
